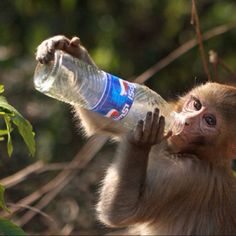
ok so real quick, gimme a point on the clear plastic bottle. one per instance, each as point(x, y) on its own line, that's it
point(72, 81)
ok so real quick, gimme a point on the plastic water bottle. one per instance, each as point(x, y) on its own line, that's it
point(73, 81)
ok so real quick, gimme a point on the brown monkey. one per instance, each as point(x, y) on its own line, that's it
point(183, 185)
point(180, 184)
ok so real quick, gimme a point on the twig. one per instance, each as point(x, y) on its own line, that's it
point(57, 166)
point(81, 159)
point(195, 19)
point(182, 50)
point(34, 209)
point(67, 229)
point(37, 167)
point(21, 175)
point(214, 60)
point(45, 200)
point(226, 67)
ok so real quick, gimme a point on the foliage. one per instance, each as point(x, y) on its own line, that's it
point(9, 229)
point(12, 116)
point(6, 226)
point(2, 200)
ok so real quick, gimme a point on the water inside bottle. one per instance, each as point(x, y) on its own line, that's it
point(48, 78)
point(62, 79)
point(43, 78)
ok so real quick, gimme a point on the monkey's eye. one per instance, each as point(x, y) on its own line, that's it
point(193, 104)
point(197, 104)
point(210, 120)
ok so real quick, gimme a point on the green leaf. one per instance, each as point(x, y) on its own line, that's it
point(8, 228)
point(24, 127)
point(3, 132)
point(2, 201)
point(6, 106)
point(26, 131)
point(9, 141)
point(1, 88)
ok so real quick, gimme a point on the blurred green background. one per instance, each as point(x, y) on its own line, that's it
point(125, 37)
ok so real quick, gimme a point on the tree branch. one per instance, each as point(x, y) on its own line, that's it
point(175, 54)
point(196, 22)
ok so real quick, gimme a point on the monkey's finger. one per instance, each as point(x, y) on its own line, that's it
point(160, 133)
point(49, 51)
point(48, 57)
point(138, 131)
point(42, 54)
point(75, 41)
point(155, 125)
point(147, 126)
point(74, 51)
point(45, 51)
point(51, 46)
point(57, 42)
point(62, 45)
point(168, 135)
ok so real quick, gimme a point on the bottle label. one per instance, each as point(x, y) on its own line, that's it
point(117, 98)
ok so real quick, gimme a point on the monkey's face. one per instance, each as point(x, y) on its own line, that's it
point(202, 124)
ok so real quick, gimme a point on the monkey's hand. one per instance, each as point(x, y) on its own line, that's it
point(150, 132)
point(45, 51)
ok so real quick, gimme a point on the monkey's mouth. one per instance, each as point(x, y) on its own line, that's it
point(183, 144)
point(184, 154)
point(199, 141)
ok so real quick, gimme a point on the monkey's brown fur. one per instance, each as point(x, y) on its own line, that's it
point(157, 191)
point(179, 185)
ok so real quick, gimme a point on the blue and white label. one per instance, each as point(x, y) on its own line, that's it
point(117, 98)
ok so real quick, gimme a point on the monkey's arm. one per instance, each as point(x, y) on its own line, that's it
point(124, 185)
point(90, 121)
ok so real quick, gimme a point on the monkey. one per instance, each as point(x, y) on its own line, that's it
point(182, 185)
point(171, 184)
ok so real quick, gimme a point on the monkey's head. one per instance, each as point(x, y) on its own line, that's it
point(209, 112)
